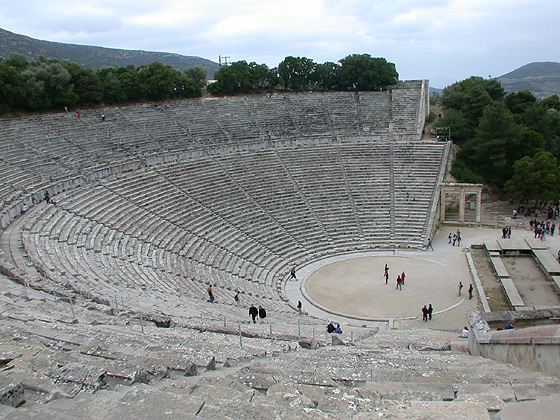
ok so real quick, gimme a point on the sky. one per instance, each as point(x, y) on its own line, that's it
point(441, 40)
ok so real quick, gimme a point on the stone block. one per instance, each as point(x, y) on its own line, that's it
point(191, 369)
point(12, 394)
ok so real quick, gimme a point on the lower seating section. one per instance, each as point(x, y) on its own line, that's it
point(237, 221)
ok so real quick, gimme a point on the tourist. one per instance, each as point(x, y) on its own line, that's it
point(460, 288)
point(330, 328)
point(424, 313)
point(262, 313)
point(236, 298)
point(338, 330)
point(24, 208)
point(510, 325)
point(464, 333)
point(210, 294)
point(402, 278)
point(458, 237)
point(253, 312)
point(454, 239)
point(293, 274)
point(399, 283)
point(299, 306)
point(430, 311)
point(429, 244)
point(471, 288)
point(387, 272)
point(450, 237)
point(103, 117)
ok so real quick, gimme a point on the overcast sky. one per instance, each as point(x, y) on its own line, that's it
point(440, 40)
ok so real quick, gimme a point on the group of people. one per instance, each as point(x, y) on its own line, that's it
point(460, 287)
point(506, 233)
point(427, 312)
point(541, 229)
point(455, 238)
point(400, 277)
point(332, 329)
point(254, 312)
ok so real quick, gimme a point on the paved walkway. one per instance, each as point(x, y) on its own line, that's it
point(352, 289)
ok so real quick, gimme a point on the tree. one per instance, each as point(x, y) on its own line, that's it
point(495, 146)
point(158, 81)
point(363, 72)
point(326, 76)
point(519, 102)
point(552, 102)
point(295, 73)
point(460, 127)
point(12, 93)
point(85, 83)
point(196, 73)
point(537, 178)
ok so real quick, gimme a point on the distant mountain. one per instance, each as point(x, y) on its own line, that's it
point(543, 79)
point(94, 57)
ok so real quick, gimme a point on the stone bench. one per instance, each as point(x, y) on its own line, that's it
point(512, 294)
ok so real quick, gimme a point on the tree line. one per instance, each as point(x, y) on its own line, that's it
point(44, 84)
point(509, 142)
point(354, 72)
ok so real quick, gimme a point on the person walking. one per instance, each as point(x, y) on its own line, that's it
point(262, 313)
point(293, 273)
point(253, 312)
point(429, 246)
point(210, 294)
point(460, 288)
point(430, 311)
point(471, 288)
point(299, 306)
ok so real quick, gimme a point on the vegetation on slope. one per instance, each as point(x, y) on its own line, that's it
point(510, 142)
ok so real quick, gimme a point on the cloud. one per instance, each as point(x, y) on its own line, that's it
point(444, 40)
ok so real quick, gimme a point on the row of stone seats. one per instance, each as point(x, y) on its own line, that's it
point(237, 221)
point(113, 365)
point(57, 146)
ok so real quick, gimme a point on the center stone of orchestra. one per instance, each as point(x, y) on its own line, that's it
point(356, 287)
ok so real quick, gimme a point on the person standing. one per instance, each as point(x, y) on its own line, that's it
point(424, 313)
point(262, 313)
point(402, 278)
point(460, 288)
point(399, 283)
point(430, 311)
point(470, 291)
point(387, 272)
point(299, 306)
point(210, 294)
point(253, 312)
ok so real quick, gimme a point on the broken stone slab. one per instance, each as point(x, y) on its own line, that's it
point(435, 346)
point(191, 369)
point(90, 377)
point(229, 362)
point(310, 344)
point(337, 341)
point(212, 364)
point(12, 394)
point(140, 376)
point(7, 356)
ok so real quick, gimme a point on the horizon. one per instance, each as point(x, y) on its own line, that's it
point(443, 41)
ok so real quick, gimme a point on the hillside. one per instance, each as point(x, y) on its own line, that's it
point(94, 57)
point(543, 79)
